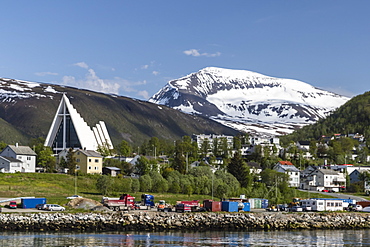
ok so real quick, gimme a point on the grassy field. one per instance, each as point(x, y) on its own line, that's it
point(56, 187)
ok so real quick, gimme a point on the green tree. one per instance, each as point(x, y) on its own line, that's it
point(145, 183)
point(125, 149)
point(135, 185)
point(239, 169)
point(3, 145)
point(46, 159)
point(104, 184)
point(142, 166)
point(71, 162)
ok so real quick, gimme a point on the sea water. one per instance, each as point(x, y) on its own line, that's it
point(194, 238)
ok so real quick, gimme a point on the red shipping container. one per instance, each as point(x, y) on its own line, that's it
point(216, 206)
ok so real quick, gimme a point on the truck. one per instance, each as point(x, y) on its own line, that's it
point(162, 207)
point(124, 202)
point(147, 200)
point(194, 205)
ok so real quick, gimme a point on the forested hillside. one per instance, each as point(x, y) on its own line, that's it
point(352, 117)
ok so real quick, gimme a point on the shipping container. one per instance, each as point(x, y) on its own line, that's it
point(229, 206)
point(251, 201)
point(32, 202)
point(247, 207)
point(257, 202)
point(212, 206)
point(265, 203)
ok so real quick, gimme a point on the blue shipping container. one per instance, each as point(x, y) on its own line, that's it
point(229, 206)
point(247, 207)
point(32, 202)
point(265, 203)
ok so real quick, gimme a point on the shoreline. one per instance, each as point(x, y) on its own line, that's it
point(159, 221)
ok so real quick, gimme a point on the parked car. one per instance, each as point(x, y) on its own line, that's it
point(73, 197)
point(13, 204)
point(297, 209)
point(325, 190)
point(54, 207)
point(41, 206)
point(354, 207)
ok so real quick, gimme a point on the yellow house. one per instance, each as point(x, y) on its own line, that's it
point(89, 161)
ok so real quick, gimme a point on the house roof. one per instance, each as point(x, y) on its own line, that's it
point(10, 159)
point(286, 163)
point(112, 168)
point(289, 168)
point(25, 150)
point(90, 153)
point(328, 171)
point(254, 165)
point(304, 143)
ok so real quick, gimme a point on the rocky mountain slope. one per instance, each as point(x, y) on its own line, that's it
point(249, 101)
point(27, 110)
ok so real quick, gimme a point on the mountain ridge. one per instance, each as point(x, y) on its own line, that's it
point(238, 98)
point(28, 109)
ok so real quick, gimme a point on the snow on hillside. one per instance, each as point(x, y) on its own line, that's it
point(249, 101)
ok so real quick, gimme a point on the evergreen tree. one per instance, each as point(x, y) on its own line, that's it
point(71, 162)
point(239, 169)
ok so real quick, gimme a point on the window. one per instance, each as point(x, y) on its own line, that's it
point(96, 160)
point(89, 167)
point(96, 168)
point(28, 158)
point(89, 160)
point(77, 160)
point(77, 167)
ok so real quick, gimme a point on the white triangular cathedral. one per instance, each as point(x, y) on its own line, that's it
point(69, 130)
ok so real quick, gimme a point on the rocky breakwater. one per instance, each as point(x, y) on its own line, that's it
point(150, 221)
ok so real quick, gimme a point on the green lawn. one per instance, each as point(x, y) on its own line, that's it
point(56, 187)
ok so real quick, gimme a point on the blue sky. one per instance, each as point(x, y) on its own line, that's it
point(133, 48)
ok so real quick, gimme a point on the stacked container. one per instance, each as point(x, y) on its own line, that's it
point(247, 207)
point(229, 206)
point(257, 203)
point(251, 201)
point(265, 203)
point(212, 206)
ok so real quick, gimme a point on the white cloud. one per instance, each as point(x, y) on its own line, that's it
point(155, 72)
point(45, 73)
point(146, 66)
point(92, 81)
point(196, 53)
point(143, 94)
point(82, 65)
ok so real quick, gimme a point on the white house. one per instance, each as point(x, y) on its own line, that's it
point(288, 168)
point(22, 153)
point(10, 165)
point(325, 179)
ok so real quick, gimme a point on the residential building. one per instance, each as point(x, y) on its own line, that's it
point(288, 168)
point(355, 176)
point(22, 153)
point(10, 165)
point(113, 171)
point(324, 179)
point(88, 161)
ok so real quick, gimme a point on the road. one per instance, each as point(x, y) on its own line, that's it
point(338, 195)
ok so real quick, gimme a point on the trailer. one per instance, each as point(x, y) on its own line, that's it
point(125, 202)
point(194, 205)
point(325, 204)
point(163, 207)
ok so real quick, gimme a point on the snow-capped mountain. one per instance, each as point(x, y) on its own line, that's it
point(249, 101)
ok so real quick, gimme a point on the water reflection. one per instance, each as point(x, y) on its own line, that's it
point(209, 238)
